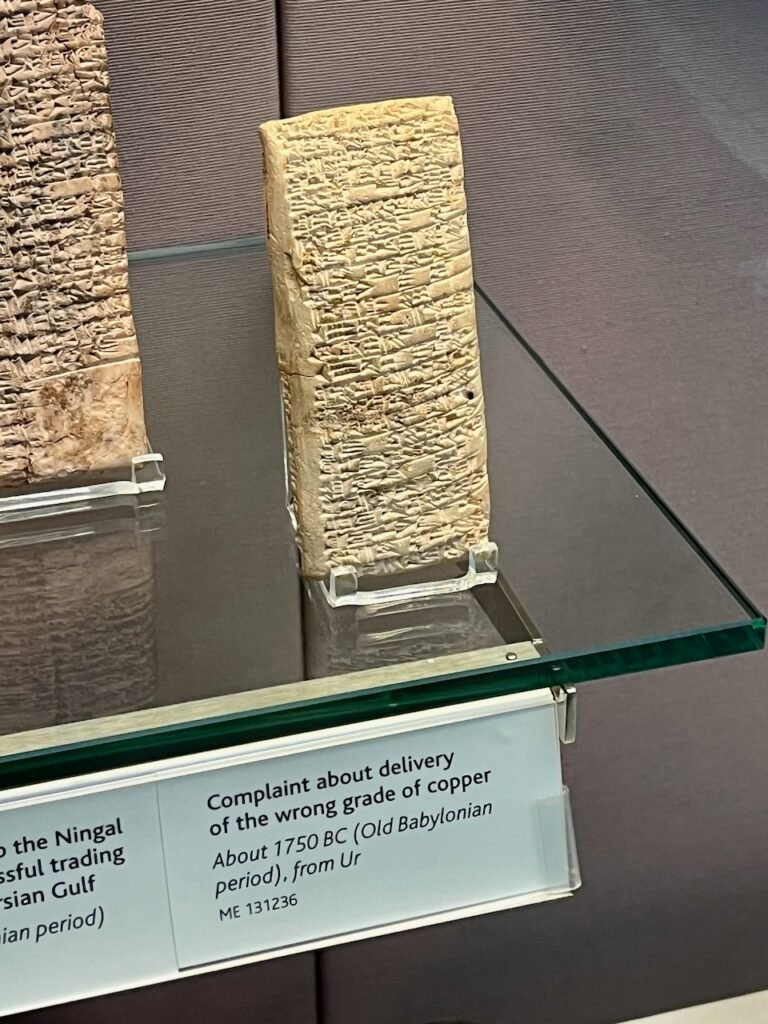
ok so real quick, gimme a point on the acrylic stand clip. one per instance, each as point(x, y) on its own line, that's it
point(345, 587)
point(145, 475)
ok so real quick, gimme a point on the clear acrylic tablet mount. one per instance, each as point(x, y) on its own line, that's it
point(145, 475)
point(349, 585)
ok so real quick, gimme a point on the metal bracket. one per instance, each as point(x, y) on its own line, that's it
point(565, 699)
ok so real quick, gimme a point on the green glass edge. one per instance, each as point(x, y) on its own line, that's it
point(398, 699)
point(177, 252)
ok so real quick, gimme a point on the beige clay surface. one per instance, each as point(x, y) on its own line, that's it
point(376, 334)
point(70, 378)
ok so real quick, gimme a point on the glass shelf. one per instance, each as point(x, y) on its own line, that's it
point(159, 625)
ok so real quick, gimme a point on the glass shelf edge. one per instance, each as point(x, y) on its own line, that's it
point(28, 768)
point(257, 243)
point(725, 579)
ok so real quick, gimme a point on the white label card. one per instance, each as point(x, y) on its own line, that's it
point(143, 875)
point(303, 848)
point(83, 900)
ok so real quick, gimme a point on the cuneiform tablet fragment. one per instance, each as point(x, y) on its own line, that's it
point(70, 377)
point(376, 335)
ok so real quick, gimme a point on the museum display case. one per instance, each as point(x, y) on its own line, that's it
point(596, 576)
point(313, 686)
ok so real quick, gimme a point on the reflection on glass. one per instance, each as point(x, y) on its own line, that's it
point(339, 640)
point(77, 632)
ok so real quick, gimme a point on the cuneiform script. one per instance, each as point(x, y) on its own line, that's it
point(70, 378)
point(376, 335)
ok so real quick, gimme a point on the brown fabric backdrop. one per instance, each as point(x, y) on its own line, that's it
point(277, 992)
point(616, 153)
point(191, 82)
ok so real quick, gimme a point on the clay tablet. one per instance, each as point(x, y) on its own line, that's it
point(376, 335)
point(70, 378)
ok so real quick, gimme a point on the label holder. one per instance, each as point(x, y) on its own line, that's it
point(556, 843)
